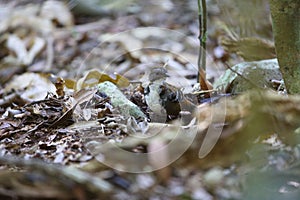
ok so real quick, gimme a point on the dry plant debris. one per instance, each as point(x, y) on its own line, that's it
point(58, 132)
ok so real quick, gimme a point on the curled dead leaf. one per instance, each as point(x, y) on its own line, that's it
point(94, 77)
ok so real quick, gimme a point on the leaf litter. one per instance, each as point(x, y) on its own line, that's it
point(65, 119)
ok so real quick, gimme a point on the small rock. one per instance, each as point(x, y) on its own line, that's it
point(119, 101)
point(213, 177)
point(259, 74)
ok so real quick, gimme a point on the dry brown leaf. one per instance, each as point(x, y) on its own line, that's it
point(84, 95)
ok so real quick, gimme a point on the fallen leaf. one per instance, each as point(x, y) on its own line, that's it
point(19, 47)
point(33, 86)
point(94, 77)
point(58, 11)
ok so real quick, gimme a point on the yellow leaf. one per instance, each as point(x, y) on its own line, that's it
point(70, 83)
point(94, 77)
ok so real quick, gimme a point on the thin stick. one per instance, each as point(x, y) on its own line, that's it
point(202, 17)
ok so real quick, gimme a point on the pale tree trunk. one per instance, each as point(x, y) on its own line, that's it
point(286, 30)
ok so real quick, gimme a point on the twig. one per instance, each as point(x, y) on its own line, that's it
point(66, 32)
point(202, 17)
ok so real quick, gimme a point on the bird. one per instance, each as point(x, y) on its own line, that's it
point(156, 79)
point(164, 100)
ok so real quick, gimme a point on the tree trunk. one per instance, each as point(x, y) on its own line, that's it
point(286, 29)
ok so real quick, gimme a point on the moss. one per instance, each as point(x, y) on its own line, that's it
point(118, 100)
point(286, 29)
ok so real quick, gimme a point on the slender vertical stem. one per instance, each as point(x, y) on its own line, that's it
point(202, 17)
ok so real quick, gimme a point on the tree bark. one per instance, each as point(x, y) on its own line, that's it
point(286, 30)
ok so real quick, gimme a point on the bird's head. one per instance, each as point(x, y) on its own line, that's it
point(158, 73)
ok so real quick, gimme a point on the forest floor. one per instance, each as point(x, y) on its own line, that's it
point(75, 121)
